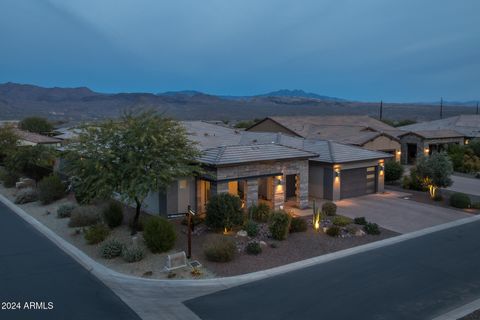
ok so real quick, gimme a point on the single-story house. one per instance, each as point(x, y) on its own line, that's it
point(466, 124)
point(27, 138)
point(361, 131)
point(425, 142)
point(273, 168)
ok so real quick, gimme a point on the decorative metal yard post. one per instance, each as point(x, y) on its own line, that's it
point(190, 213)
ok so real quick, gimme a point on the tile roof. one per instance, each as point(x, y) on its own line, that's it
point(211, 138)
point(35, 137)
point(435, 134)
point(355, 130)
point(226, 155)
point(467, 124)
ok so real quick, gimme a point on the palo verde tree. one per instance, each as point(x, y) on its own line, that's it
point(435, 171)
point(36, 124)
point(131, 157)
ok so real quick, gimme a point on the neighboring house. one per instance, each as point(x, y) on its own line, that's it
point(67, 134)
point(32, 139)
point(466, 124)
point(273, 168)
point(425, 142)
point(361, 131)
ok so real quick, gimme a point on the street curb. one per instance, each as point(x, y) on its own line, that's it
point(103, 272)
point(460, 312)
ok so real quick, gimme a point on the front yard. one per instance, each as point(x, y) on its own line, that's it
point(298, 246)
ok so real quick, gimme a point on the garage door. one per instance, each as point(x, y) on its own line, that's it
point(357, 182)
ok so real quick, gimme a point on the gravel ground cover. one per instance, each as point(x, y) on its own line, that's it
point(298, 246)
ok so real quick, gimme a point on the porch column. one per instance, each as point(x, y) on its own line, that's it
point(278, 192)
point(336, 180)
point(252, 192)
point(380, 178)
point(302, 186)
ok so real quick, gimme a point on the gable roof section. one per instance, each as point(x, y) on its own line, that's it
point(466, 124)
point(35, 137)
point(227, 155)
point(435, 134)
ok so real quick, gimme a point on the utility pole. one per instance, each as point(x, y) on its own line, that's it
point(441, 108)
point(477, 107)
point(381, 109)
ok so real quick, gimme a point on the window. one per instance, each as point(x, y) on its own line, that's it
point(182, 184)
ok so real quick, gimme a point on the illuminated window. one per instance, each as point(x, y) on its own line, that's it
point(182, 184)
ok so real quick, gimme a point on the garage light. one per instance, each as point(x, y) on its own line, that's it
point(337, 173)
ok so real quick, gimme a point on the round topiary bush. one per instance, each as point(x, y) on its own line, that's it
point(9, 179)
point(84, 216)
point(279, 224)
point(393, 171)
point(253, 248)
point(111, 248)
point(51, 188)
point(224, 211)
point(298, 224)
point(260, 212)
point(333, 231)
point(371, 228)
point(220, 249)
point(329, 208)
point(251, 227)
point(96, 234)
point(113, 214)
point(341, 221)
point(133, 254)
point(65, 210)
point(360, 220)
point(460, 200)
point(159, 234)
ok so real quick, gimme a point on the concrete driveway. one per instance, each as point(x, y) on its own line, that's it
point(392, 212)
point(465, 185)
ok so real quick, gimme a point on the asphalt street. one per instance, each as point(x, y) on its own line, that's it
point(40, 281)
point(417, 279)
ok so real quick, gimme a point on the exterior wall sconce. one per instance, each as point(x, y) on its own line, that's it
point(399, 152)
point(279, 180)
point(467, 141)
point(337, 173)
point(381, 167)
point(426, 150)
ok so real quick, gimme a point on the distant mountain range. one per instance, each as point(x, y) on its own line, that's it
point(78, 104)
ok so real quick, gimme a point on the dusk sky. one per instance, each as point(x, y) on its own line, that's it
point(406, 50)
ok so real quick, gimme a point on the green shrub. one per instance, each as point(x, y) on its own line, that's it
point(111, 248)
point(298, 224)
point(406, 182)
point(333, 231)
point(84, 216)
point(260, 212)
point(9, 179)
point(371, 228)
point(96, 233)
point(220, 249)
point(113, 214)
point(415, 183)
point(224, 211)
point(393, 171)
point(279, 224)
point(132, 253)
point(51, 188)
point(329, 208)
point(360, 220)
point(476, 205)
point(460, 200)
point(253, 248)
point(159, 234)
point(341, 221)
point(65, 210)
point(26, 195)
point(251, 227)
